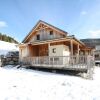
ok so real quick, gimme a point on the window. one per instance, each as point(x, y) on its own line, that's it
point(54, 50)
point(38, 37)
point(51, 32)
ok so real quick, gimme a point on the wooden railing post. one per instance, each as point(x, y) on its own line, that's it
point(52, 60)
point(71, 45)
point(90, 67)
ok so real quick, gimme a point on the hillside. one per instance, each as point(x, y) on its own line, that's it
point(6, 46)
point(6, 38)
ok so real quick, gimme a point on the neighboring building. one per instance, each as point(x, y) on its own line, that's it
point(91, 42)
point(95, 43)
point(47, 45)
point(97, 54)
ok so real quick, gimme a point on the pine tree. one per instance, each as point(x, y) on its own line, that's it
point(6, 38)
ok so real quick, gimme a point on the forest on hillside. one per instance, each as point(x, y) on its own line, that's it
point(4, 37)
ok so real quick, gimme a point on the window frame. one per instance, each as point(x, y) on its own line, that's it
point(51, 32)
point(54, 50)
point(38, 37)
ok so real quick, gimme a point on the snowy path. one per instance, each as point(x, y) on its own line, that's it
point(22, 84)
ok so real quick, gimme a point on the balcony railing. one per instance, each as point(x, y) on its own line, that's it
point(61, 62)
point(48, 38)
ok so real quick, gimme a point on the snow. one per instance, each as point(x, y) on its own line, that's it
point(26, 84)
point(6, 46)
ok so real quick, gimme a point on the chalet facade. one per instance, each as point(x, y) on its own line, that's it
point(49, 46)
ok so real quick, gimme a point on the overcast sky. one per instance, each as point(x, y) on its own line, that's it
point(78, 17)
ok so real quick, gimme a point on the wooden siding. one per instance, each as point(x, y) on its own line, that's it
point(44, 35)
point(43, 25)
point(43, 50)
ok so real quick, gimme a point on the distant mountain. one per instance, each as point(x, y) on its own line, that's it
point(6, 38)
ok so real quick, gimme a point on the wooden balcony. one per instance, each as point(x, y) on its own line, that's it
point(61, 62)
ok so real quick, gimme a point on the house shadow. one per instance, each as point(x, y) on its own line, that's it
point(58, 71)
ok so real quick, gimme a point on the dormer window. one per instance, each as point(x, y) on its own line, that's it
point(38, 37)
point(51, 32)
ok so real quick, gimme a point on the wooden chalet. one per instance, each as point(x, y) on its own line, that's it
point(50, 47)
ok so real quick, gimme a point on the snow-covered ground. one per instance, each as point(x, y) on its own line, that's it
point(26, 84)
point(6, 46)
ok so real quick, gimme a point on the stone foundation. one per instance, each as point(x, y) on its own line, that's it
point(9, 61)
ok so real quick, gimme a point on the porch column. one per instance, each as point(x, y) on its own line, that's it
point(78, 49)
point(71, 45)
point(77, 57)
point(27, 50)
point(48, 48)
point(85, 52)
point(49, 53)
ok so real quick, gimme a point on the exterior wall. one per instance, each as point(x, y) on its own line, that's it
point(23, 52)
point(60, 50)
point(97, 47)
point(20, 56)
point(97, 52)
point(35, 51)
point(45, 35)
point(66, 51)
point(43, 50)
point(86, 52)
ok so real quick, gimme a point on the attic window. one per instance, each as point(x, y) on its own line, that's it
point(38, 37)
point(51, 32)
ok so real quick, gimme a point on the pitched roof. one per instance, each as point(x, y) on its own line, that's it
point(40, 21)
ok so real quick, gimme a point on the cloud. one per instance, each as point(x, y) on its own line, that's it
point(3, 24)
point(94, 34)
point(83, 13)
